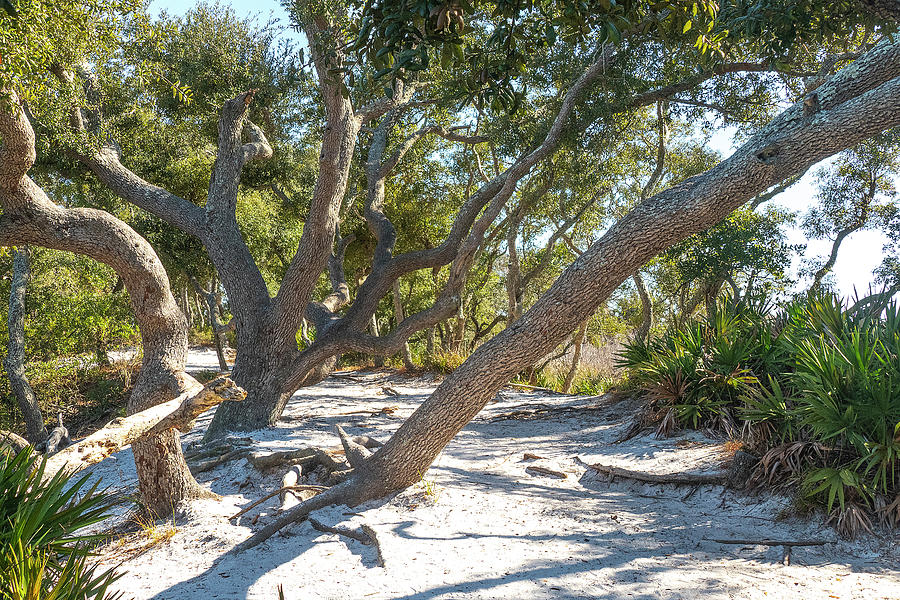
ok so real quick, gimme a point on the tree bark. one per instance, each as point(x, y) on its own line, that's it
point(30, 217)
point(14, 362)
point(178, 413)
point(211, 298)
point(399, 316)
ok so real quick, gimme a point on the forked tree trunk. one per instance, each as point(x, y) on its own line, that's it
point(30, 217)
point(855, 104)
point(643, 331)
point(15, 356)
point(580, 338)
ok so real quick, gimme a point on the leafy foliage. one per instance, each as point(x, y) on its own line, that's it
point(41, 554)
point(813, 376)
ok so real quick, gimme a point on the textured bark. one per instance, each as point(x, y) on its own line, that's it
point(399, 316)
point(10, 440)
point(30, 217)
point(269, 364)
point(14, 362)
point(212, 298)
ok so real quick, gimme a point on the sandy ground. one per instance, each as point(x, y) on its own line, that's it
point(482, 526)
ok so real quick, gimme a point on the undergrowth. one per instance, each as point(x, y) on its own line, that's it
point(42, 555)
point(88, 395)
point(813, 388)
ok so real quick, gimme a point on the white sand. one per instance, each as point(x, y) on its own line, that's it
point(495, 530)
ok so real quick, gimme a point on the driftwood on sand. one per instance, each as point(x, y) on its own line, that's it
point(179, 413)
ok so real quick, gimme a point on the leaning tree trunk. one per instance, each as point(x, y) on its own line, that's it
point(15, 357)
point(855, 104)
point(30, 217)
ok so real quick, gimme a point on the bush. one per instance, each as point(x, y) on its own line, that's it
point(41, 555)
point(815, 388)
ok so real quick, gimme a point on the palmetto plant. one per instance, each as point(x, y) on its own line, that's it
point(817, 386)
point(42, 557)
point(850, 399)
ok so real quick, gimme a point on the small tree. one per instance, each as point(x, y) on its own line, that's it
point(856, 193)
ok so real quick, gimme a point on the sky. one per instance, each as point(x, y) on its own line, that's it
point(860, 253)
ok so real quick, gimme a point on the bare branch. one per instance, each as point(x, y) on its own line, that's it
point(179, 413)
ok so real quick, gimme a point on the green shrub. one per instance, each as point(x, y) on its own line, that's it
point(814, 387)
point(41, 555)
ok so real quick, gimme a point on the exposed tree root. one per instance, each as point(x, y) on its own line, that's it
point(788, 545)
point(371, 533)
point(302, 456)
point(669, 478)
point(339, 494)
point(356, 454)
point(546, 471)
point(255, 503)
point(358, 535)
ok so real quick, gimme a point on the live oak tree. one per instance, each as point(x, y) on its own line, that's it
point(857, 103)
point(30, 217)
point(269, 364)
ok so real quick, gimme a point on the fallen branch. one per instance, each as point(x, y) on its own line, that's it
point(255, 503)
point(220, 389)
point(302, 456)
point(14, 441)
point(386, 410)
point(788, 545)
point(670, 478)
point(178, 413)
point(534, 387)
point(212, 463)
point(544, 409)
point(546, 471)
point(770, 542)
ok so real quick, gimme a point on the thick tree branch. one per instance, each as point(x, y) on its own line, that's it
point(179, 413)
point(105, 162)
